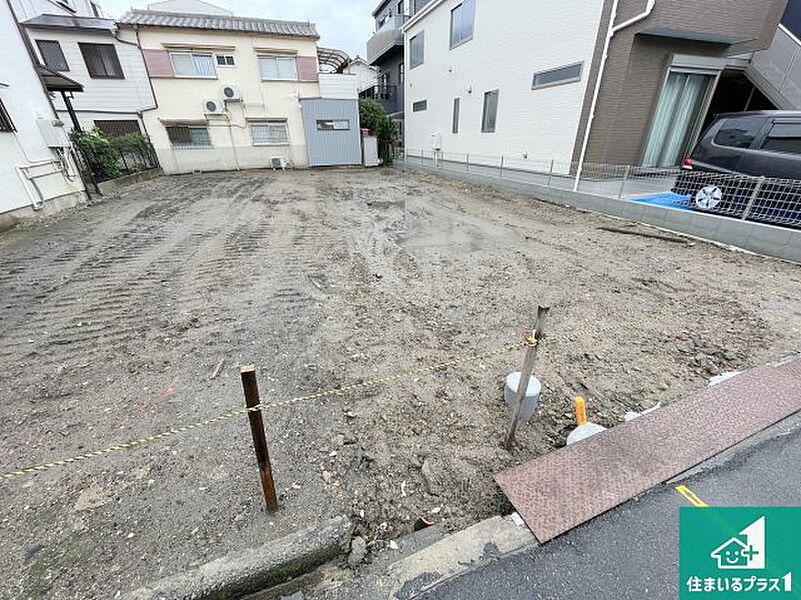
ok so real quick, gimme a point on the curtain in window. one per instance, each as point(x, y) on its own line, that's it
point(278, 67)
point(676, 118)
point(203, 65)
point(182, 65)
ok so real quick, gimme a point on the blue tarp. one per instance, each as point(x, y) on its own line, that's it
point(668, 199)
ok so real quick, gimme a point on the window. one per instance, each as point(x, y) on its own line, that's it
point(96, 10)
point(278, 67)
point(462, 19)
point(5, 120)
point(52, 55)
point(401, 73)
point(186, 136)
point(274, 133)
point(112, 128)
point(417, 49)
point(400, 8)
point(101, 61)
point(490, 113)
point(193, 64)
point(420, 105)
point(739, 133)
point(456, 108)
point(333, 124)
point(784, 137)
point(558, 76)
point(225, 60)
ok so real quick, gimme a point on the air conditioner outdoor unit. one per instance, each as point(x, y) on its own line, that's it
point(212, 106)
point(231, 93)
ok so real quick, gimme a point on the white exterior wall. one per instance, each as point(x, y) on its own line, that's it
point(24, 154)
point(512, 40)
point(103, 98)
point(181, 99)
point(338, 86)
point(366, 75)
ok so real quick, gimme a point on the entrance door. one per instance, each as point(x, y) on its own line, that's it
point(678, 117)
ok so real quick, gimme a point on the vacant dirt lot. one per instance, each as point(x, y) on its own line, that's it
point(115, 318)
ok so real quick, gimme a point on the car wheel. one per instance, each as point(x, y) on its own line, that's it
point(708, 198)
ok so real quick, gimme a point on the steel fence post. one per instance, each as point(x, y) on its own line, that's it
point(550, 173)
point(500, 172)
point(749, 207)
point(626, 175)
point(467, 162)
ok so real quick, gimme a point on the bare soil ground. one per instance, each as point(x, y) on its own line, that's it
point(115, 317)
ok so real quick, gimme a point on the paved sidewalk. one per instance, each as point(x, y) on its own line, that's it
point(632, 551)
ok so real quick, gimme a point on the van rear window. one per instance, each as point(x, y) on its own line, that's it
point(739, 133)
point(784, 137)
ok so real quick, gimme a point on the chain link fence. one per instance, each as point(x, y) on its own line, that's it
point(761, 199)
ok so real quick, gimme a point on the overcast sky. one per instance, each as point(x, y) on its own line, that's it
point(343, 25)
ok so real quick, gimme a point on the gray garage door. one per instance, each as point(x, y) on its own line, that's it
point(332, 131)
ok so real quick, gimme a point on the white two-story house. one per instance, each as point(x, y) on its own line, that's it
point(72, 37)
point(37, 173)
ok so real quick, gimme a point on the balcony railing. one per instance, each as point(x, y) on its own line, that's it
point(386, 95)
point(385, 38)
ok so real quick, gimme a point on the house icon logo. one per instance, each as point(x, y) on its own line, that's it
point(746, 550)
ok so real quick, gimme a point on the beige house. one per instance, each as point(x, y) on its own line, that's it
point(227, 88)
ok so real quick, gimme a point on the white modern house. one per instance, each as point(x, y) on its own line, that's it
point(37, 173)
point(72, 37)
point(577, 81)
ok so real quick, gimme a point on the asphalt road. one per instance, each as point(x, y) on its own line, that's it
point(632, 552)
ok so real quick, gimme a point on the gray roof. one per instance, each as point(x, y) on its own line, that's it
point(69, 22)
point(152, 18)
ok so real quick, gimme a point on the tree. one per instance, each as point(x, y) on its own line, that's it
point(373, 117)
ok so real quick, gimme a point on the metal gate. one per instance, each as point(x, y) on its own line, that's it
point(332, 131)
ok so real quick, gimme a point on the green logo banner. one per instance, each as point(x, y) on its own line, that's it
point(739, 553)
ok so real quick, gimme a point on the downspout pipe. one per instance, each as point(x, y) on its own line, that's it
point(613, 29)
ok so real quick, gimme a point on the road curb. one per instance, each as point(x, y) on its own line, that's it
point(255, 569)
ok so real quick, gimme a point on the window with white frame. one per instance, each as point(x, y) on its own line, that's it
point(568, 74)
point(333, 124)
point(272, 133)
point(189, 136)
point(278, 67)
point(417, 50)
point(193, 64)
point(462, 21)
point(225, 60)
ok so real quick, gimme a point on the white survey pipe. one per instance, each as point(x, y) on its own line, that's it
point(613, 29)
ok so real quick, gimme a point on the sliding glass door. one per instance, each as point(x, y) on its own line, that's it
point(678, 115)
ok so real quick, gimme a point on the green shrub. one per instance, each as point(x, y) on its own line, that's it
point(98, 152)
point(373, 117)
point(135, 149)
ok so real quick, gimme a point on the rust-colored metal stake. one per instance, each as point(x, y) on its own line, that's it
point(525, 375)
point(251, 388)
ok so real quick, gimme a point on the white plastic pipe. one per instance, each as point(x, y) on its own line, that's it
point(613, 29)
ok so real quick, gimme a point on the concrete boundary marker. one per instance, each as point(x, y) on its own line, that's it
point(769, 240)
point(257, 569)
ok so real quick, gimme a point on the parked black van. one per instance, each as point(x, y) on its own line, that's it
point(754, 144)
